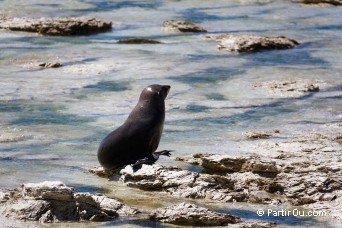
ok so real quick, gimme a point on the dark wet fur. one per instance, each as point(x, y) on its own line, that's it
point(139, 136)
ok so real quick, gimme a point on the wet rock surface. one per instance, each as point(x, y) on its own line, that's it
point(101, 172)
point(301, 170)
point(58, 26)
point(190, 214)
point(138, 41)
point(304, 170)
point(223, 164)
point(54, 202)
point(181, 183)
point(320, 2)
point(251, 43)
point(181, 26)
point(290, 87)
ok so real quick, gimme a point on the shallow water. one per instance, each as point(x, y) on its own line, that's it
point(52, 120)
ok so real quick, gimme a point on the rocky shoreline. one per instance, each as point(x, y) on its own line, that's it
point(51, 201)
point(303, 171)
point(54, 202)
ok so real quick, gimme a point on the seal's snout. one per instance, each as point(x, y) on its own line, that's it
point(166, 88)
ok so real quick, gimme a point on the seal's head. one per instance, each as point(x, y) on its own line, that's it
point(154, 92)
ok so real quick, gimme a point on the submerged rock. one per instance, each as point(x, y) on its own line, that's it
point(315, 2)
point(289, 87)
point(138, 41)
point(50, 65)
point(251, 43)
point(53, 201)
point(190, 214)
point(58, 26)
point(256, 224)
point(258, 135)
point(181, 26)
point(13, 135)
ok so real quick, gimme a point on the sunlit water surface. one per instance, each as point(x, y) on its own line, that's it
point(52, 120)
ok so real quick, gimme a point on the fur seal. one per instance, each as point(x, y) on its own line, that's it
point(137, 139)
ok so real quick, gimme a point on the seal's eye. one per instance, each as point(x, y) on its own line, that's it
point(149, 89)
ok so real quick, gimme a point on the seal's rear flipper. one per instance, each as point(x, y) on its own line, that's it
point(150, 160)
point(163, 152)
point(138, 164)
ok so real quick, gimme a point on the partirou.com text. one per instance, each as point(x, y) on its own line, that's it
point(290, 212)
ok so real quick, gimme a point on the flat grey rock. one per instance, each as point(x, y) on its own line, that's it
point(53, 201)
point(58, 26)
point(181, 26)
point(190, 214)
point(181, 183)
point(233, 43)
point(290, 87)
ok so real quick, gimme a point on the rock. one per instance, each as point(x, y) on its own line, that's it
point(109, 205)
point(190, 160)
point(13, 135)
point(309, 181)
point(289, 87)
point(54, 202)
point(190, 214)
point(222, 163)
point(251, 43)
point(260, 197)
point(138, 41)
point(327, 197)
point(99, 171)
point(328, 208)
point(260, 166)
point(51, 65)
point(227, 164)
point(181, 26)
point(257, 135)
point(338, 139)
point(47, 190)
point(254, 225)
point(296, 179)
point(58, 26)
point(329, 2)
point(32, 210)
point(181, 183)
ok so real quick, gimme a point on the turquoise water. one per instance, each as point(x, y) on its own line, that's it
point(52, 120)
